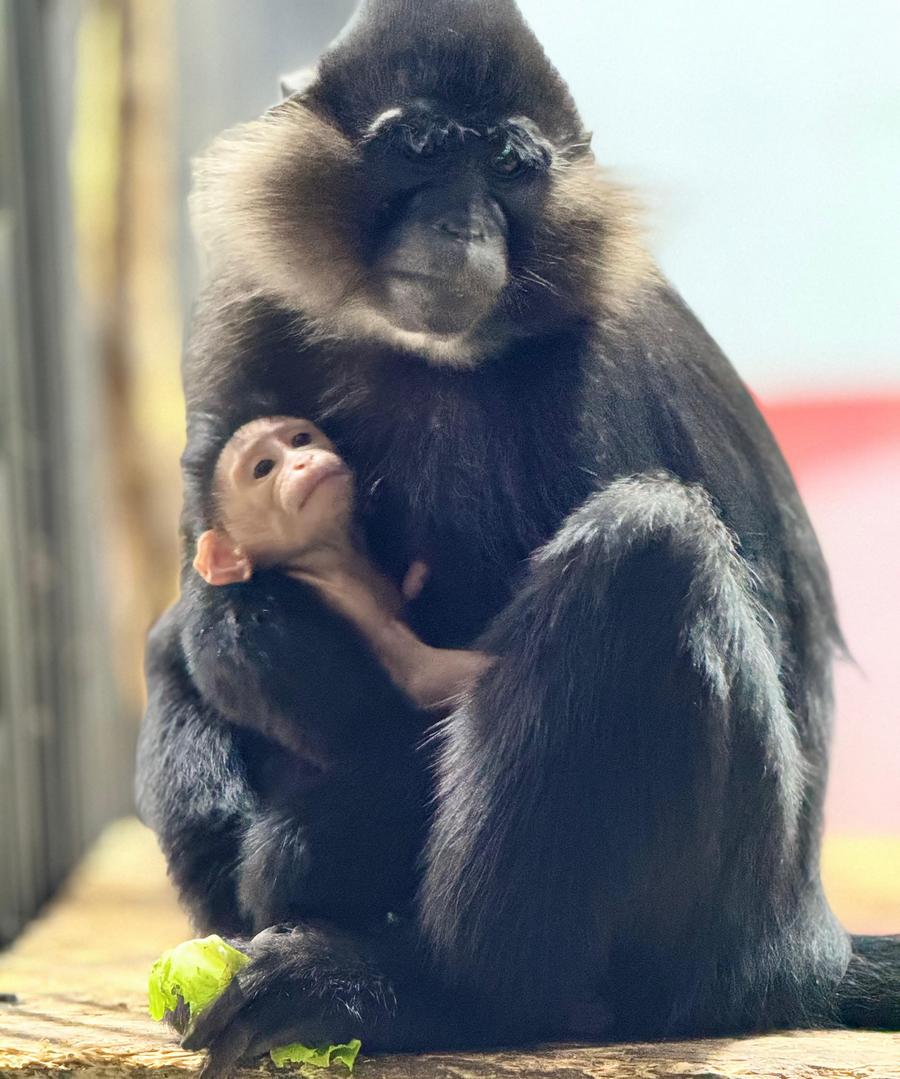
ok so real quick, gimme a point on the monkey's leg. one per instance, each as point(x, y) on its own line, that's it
point(622, 803)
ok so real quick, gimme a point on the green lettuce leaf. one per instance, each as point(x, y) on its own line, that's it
point(197, 971)
point(317, 1058)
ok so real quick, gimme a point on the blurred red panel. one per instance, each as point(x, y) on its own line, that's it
point(812, 432)
point(845, 454)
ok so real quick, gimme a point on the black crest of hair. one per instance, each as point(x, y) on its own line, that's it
point(401, 50)
point(616, 832)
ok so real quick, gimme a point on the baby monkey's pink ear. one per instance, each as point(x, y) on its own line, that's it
point(218, 561)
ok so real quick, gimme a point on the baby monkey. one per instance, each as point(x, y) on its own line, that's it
point(284, 499)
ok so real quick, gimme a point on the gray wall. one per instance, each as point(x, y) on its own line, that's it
point(230, 56)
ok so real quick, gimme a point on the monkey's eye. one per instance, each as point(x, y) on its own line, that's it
point(508, 161)
point(301, 438)
point(263, 468)
point(420, 145)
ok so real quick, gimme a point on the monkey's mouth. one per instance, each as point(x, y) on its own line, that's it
point(442, 304)
point(322, 476)
point(304, 484)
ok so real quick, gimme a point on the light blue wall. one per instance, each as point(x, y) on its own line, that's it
point(765, 138)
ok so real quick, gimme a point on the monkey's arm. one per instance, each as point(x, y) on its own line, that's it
point(191, 785)
point(433, 678)
point(249, 834)
point(272, 656)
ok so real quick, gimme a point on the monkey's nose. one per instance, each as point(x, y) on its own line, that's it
point(298, 464)
point(461, 226)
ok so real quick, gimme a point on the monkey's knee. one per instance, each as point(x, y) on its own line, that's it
point(648, 549)
point(650, 509)
point(642, 593)
point(656, 548)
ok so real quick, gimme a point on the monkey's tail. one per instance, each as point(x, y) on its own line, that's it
point(869, 993)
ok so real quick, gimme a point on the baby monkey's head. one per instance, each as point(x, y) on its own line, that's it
point(281, 494)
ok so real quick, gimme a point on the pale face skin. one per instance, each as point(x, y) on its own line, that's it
point(284, 497)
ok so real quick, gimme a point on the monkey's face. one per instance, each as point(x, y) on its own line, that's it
point(282, 489)
point(456, 205)
point(430, 188)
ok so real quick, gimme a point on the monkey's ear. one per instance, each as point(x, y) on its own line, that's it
point(218, 561)
point(296, 82)
point(580, 145)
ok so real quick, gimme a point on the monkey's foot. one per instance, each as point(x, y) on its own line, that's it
point(312, 984)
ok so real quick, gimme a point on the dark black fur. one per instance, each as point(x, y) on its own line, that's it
point(627, 809)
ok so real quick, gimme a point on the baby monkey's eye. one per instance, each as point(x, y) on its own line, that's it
point(263, 468)
point(301, 438)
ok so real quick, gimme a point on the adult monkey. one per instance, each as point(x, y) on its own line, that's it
point(419, 253)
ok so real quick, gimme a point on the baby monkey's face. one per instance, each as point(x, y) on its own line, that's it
point(282, 489)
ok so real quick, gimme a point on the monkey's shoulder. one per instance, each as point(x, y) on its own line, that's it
point(663, 369)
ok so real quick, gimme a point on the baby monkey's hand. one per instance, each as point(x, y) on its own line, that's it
point(438, 677)
point(442, 676)
point(414, 581)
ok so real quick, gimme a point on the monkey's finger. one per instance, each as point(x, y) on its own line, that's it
point(213, 1021)
point(308, 1030)
point(415, 579)
point(179, 1017)
point(226, 1051)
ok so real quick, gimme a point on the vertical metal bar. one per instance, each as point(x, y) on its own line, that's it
point(63, 769)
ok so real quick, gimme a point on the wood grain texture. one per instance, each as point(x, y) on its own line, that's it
point(80, 973)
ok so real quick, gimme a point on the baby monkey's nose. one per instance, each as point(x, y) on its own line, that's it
point(301, 460)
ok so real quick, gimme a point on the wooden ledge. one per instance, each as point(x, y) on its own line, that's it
point(80, 973)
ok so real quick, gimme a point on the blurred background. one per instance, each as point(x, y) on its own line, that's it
point(765, 139)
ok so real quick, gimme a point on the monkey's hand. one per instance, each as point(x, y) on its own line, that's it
point(443, 675)
point(312, 984)
point(414, 581)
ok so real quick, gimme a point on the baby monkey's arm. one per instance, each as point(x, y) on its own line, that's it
point(433, 678)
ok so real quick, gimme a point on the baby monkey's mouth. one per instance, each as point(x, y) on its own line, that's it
point(304, 483)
